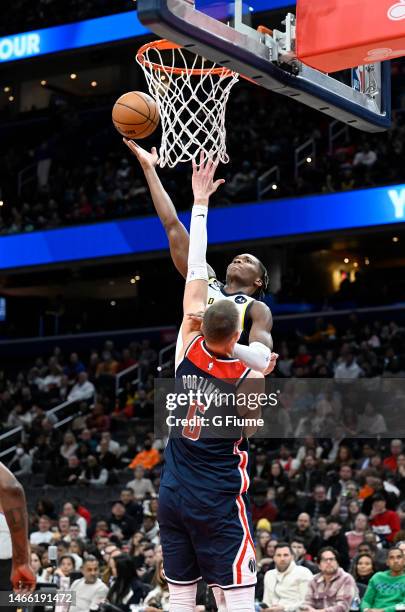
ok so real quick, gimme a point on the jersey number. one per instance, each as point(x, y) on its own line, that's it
point(210, 301)
point(192, 430)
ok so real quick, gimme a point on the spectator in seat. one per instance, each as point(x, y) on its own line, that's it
point(158, 598)
point(132, 508)
point(356, 536)
point(148, 458)
point(334, 537)
point(83, 390)
point(21, 462)
point(391, 462)
point(384, 523)
point(304, 531)
point(260, 465)
point(126, 590)
point(300, 555)
point(386, 590)
point(262, 507)
point(285, 587)
point(348, 368)
point(363, 570)
point(70, 474)
point(69, 446)
point(339, 487)
point(122, 524)
point(74, 367)
point(70, 511)
point(127, 360)
point(44, 533)
point(112, 445)
point(318, 504)
point(332, 589)
point(106, 458)
point(108, 366)
point(309, 476)
point(150, 528)
point(90, 591)
point(98, 421)
point(147, 571)
point(141, 486)
point(94, 473)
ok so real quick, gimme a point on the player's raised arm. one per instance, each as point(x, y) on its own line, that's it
point(176, 233)
point(14, 506)
point(196, 289)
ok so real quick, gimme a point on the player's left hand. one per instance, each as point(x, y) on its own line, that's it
point(272, 364)
point(203, 180)
point(195, 319)
point(23, 578)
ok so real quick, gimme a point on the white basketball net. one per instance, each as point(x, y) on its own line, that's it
point(191, 103)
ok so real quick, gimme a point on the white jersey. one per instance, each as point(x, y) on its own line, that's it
point(5, 539)
point(215, 293)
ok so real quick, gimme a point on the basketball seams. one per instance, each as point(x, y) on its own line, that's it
point(148, 116)
point(135, 110)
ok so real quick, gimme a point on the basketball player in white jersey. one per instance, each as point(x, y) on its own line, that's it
point(246, 277)
point(13, 512)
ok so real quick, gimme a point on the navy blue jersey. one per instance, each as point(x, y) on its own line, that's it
point(203, 463)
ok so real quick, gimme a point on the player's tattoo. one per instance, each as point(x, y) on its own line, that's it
point(16, 518)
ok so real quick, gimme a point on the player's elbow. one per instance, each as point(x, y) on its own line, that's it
point(11, 490)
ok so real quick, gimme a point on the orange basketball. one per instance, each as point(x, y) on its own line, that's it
point(135, 115)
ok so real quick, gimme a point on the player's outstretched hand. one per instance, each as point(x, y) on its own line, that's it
point(23, 578)
point(203, 180)
point(146, 159)
point(272, 364)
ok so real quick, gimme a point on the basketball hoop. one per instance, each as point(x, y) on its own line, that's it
point(191, 93)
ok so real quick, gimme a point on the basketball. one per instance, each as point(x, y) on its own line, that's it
point(135, 115)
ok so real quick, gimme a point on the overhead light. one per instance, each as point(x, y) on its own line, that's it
point(94, 83)
point(274, 187)
point(1, 203)
point(367, 261)
point(356, 265)
point(251, 9)
point(309, 160)
point(7, 89)
point(73, 76)
point(133, 281)
point(346, 260)
point(113, 303)
point(43, 83)
point(11, 98)
point(137, 278)
point(395, 239)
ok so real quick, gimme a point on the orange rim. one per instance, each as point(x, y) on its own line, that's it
point(166, 45)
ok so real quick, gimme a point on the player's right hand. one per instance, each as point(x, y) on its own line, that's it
point(23, 578)
point(146, 159)
point(272, 364)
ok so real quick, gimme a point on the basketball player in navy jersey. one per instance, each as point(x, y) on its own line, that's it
point(14, 508)
point(204, 520)
point(246, 278)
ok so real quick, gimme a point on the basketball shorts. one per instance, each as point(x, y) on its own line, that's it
point(201, 542)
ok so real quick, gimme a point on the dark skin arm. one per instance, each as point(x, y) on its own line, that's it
point(176, 233)
point(14, 506)
point(262, 323)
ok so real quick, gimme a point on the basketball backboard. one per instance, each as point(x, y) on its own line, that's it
point(226, 32)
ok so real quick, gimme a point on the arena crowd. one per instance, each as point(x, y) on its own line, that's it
point(327, 492)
